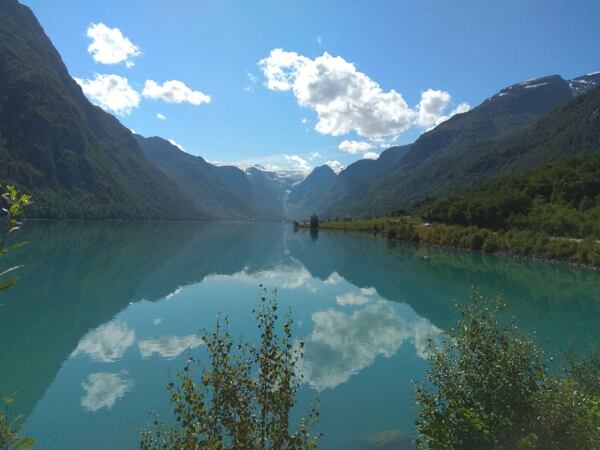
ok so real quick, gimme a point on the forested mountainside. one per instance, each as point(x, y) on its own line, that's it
point(76, 160)
point(354, 181)
point(305, 195)
point(474, 146)
point(225, 192)
point(560, 199)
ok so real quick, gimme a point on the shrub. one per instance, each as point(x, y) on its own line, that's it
point(489, 388)
point(243, 401)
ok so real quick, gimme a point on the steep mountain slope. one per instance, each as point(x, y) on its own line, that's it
point(470, 148)
point(357, 178)
point(336, 195)
point(225, 192)
point(304, 196)
point(585, 83)
point(76, 160)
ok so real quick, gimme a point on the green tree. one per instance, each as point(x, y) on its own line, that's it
point(10, 428)
point(13, 210)
point(243, 401)
point(489, 387)
point(314, 222)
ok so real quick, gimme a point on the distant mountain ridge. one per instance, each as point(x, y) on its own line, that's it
point(305, 195)
point(445, 159)
point(226, 192)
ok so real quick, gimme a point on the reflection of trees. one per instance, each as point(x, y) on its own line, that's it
point(559, 302)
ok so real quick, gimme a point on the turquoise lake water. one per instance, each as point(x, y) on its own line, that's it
point(106, 314)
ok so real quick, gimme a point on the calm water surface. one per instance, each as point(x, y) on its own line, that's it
point(106, 314)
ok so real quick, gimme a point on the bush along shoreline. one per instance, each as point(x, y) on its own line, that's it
point(514, 243)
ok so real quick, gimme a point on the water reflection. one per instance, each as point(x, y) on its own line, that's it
point(390, 440)
point(168, 347)
point(341, 344)
point(102, 390)
point(91, 292)
point(355, 298)
point(107, 343)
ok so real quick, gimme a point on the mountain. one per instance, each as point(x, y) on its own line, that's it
point(225, 192)
point(357, 178)
point(583, 84)
point(76, 160)
point(469, 148)
point(307, 194)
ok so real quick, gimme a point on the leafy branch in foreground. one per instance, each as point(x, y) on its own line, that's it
point(244, 399)
point(10, 429)
point(490, 387)
point(15, 204)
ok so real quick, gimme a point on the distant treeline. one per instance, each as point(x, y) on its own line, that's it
point(560, 199)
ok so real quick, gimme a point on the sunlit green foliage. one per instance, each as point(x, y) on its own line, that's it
point(490, 387)
point(10, 429)
point(522, 243)
point(244, 399)
point(561, 199)
point(13, 210)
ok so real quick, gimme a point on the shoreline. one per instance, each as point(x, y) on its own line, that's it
point(380, 232)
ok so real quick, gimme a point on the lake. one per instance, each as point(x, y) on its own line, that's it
point(106, 314)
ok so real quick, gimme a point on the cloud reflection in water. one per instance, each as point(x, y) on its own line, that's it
point(103, 389)
point(341, 344)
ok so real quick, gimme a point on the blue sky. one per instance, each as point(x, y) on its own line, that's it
point(351, 77)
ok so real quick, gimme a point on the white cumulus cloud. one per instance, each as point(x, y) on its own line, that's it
point(432, 108)
point(161, 116)
point(111, 93)
point(314, 155)
point(298, 162)
point(344, 99)
point(174, 91)
point(371, 155)
point(355, 147)
point(462, 108)
point(349, 101)
point(110, 46)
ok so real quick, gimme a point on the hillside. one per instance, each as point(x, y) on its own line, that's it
point(449, 158)
point(336, 194)
point(560, 199)
point(225, 192)
point(305, 195)
point(76, 160)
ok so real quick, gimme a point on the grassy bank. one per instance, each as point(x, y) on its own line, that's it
point(519, 243)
